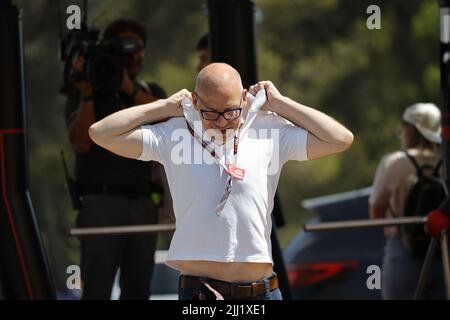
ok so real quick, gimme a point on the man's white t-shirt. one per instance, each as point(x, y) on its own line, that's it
point(241, 232)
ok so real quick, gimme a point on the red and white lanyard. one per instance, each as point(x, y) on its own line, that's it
point(232, 170)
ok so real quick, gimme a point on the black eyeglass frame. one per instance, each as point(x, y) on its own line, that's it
point(223, 113)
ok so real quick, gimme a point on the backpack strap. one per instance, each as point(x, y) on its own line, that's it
point(420, 169)
point(436, 169)
point(414, 162)
point(393, 212)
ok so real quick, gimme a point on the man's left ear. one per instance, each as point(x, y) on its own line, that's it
point(194, 100)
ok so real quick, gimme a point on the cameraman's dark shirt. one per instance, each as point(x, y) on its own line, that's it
point(99, 167)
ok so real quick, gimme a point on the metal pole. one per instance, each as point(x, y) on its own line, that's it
point(24, 269)
point(121, 230)
point(233, 38)
point(446, 261)
point(444, 37)
point(356, 224)
point(426, 268)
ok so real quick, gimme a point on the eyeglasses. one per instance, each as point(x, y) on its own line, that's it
point(230, 114)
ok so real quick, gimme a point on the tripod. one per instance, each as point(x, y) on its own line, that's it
point(438, 221)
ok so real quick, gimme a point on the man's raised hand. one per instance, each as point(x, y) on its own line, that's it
point(272, 94)
point(174, 102)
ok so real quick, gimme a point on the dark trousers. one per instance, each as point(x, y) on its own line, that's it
point(400, 274)
point(102, 256)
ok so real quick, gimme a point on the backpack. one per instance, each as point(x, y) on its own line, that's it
point(425, 195)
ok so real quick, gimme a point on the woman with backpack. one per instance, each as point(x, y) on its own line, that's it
point(401, 182)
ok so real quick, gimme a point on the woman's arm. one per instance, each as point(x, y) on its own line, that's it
point(377, 212)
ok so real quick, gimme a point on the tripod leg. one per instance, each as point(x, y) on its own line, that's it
point(426, 269)
point(446, 262)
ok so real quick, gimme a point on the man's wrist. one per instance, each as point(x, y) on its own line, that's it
point(86, 91)
point(87, 98)
point(160, 110)
point(173, 108)
point(278, 104)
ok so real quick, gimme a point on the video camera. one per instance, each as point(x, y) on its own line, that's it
point(105, 59)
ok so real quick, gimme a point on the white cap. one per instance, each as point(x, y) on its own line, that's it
point(426, 117)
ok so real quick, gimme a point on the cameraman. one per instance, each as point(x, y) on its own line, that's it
point(114, 190)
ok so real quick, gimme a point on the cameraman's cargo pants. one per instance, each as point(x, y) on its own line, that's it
point(102, 256)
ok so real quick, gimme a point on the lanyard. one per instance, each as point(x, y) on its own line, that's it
point(232, 170)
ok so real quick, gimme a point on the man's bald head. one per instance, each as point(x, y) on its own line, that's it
point(218, 79)
point(219, 89)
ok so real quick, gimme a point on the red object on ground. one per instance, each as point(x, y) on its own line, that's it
point(437, 222)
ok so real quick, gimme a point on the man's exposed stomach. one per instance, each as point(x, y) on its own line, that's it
point(225, 271)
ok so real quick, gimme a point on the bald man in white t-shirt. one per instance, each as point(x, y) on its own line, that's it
point(223, 176)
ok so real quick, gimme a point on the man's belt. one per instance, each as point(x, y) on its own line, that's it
point(235, 290)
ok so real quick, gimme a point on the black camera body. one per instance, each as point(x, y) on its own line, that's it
point(105, 59)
